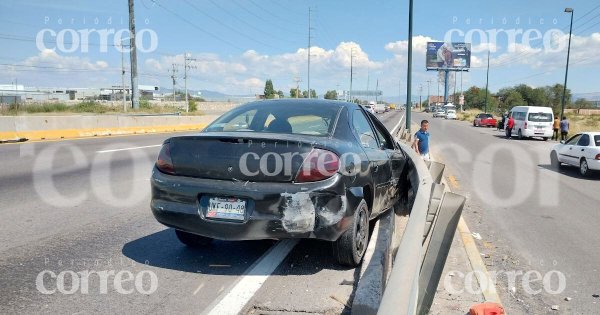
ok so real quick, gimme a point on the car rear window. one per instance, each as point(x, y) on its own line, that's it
point(487, 116)
point(597, 140)
point(540, 117)
point(279, 117)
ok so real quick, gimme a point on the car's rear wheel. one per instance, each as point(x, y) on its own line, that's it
point(554, 160)
point(192, 240)
point(545, 138)
point(584, 169)
point(520, 135)
point(350, 248)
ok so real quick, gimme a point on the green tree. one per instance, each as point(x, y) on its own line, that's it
point(331, 95)
point(313, 93)
point(581, 103)
point(294, 93)
point(280, 94)
point(269, 90)
point(475, 98)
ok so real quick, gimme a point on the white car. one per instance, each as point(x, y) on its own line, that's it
point(581, 150)
point(450, 114)
point(439, 113)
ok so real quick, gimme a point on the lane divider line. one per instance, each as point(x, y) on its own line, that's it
point(132, 148)
point(236, 297)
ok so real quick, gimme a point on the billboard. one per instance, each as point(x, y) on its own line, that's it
point(452, 56)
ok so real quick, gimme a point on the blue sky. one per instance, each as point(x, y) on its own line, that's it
point(238, 44)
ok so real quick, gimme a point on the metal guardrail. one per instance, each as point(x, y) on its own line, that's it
point(421, 255)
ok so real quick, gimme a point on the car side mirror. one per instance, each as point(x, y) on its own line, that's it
point(562, 141)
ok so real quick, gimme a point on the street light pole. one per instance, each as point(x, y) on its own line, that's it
point(487, 81)
point(409, 72)
point(564, 96)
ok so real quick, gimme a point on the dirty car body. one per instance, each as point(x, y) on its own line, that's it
point(280, 169)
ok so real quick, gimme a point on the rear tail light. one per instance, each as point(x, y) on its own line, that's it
point(597, 156)
point(318, 165)
point(164, 162)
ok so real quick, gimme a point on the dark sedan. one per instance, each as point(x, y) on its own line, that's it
point(281, 169)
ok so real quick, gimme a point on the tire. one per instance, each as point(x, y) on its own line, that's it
point(554, 161)
point(350, 248)
point(520, 134)
point(545, 138)
point(192, 240)
point(584, 169)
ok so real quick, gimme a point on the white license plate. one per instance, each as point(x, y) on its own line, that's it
point(226, 208)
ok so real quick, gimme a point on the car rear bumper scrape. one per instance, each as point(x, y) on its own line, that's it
point(273, 210)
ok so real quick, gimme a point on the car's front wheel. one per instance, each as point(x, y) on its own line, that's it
point(192, 240)
point(350, 248)
point(584, 169)
point(554, 160)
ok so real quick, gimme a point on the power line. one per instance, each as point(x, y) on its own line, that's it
point(227, 26)
point(248, 24)
point(264, 20)
point(197, 27)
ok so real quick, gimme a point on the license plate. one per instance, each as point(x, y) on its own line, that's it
point(226, 208)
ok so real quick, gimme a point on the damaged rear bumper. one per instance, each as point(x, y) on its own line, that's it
point(321, 210)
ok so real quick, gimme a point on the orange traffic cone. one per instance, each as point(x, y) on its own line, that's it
point(487, 308)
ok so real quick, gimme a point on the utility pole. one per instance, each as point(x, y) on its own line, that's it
point(564, 95)
point(351, 72)
point(399, 92)
point(420, 94)
point(309, 38)
point(135, 96)
point(376, 91)
point(298, 80)
point(174, 80)
point(186, 65)
point(123, 76)
point(462, 95)
point(487, 81)
point(428, 95)
point(409, 72)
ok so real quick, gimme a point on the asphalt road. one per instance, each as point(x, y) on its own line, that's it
point(530, 216)
point(75, 216)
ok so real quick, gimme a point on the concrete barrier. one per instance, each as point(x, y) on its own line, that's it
point(20, 128)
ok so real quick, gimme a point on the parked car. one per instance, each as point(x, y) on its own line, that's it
point(485, 120)
point(439, 113)
point(581, 150)
point(298, 169)
point(532, 121)
point(450, 114)
point(392, 106)
point(369, 108)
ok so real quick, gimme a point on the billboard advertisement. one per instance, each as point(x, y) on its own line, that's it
point(452, 56)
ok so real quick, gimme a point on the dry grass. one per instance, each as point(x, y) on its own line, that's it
point(90, 107)
point(581, 123)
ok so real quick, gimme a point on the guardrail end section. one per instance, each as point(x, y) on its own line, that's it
point(437, 251)
point(436, 169)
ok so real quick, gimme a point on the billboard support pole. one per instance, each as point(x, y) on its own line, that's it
point(446, 73)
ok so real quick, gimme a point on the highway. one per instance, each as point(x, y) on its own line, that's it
point(75, 216)
point(531, 218)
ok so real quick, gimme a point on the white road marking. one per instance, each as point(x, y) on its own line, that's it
point(397, 125)
point(236, 297)
point(199, 288)
point(132, 148)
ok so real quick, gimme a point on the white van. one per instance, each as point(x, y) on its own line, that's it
point(532, 121)
point(379, 108)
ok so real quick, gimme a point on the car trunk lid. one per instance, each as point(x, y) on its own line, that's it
point(240, 156)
